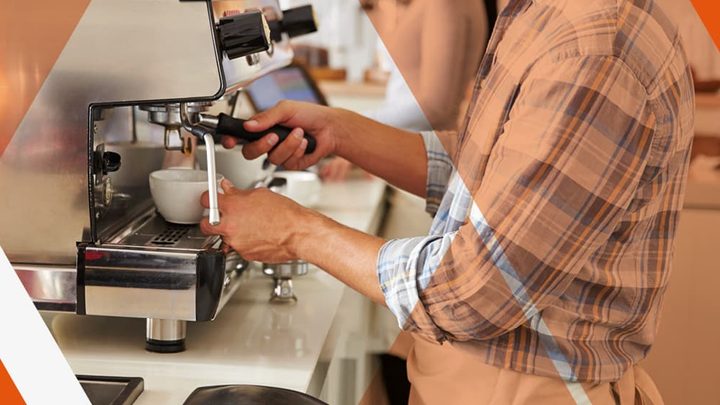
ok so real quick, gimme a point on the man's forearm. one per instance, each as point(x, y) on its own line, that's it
point(396, 155)
point(347, 254)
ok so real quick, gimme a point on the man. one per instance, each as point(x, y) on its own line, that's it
point(555, 209)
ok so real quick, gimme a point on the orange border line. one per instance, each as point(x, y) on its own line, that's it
point(9, 393)
point(709, 12)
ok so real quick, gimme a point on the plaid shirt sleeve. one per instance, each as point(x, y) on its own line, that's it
point(440, 168)
point(558, 181)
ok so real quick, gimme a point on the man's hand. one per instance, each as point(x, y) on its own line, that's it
point(317, 120)
point(267, 227)
point(258, 224)
point(393, 154)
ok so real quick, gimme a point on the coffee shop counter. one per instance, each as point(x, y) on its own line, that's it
point(250, 342)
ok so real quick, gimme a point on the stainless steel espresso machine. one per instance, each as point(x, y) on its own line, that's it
point(76, 216)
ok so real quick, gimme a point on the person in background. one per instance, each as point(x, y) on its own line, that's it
point(704, 59)
point(702, 52)
point(452, 37)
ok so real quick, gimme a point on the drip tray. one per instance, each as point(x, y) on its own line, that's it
point(111, 390)
point(155, 232)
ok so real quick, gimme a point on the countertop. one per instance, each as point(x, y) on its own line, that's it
point(250, 342)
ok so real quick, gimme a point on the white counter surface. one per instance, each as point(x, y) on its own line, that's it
point(250, 342)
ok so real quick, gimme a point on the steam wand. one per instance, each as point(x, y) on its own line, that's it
point(210, 127)
point(207, 134)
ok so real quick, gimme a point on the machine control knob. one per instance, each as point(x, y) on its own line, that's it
point(110, 162)
point(295, 22)
point(244, 34)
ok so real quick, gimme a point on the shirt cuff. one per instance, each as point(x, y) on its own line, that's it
point(440, 169)
point(397, 279)
point(402, 272)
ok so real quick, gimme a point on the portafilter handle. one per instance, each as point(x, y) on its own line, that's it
point(223, 124)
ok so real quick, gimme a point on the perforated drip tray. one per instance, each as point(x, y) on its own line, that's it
point(170, 236)
point(155, 232)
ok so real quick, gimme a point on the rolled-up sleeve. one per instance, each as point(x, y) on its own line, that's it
point(440, 168)
point(557, 184)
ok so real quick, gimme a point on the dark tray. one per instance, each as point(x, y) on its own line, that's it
point(103, 390)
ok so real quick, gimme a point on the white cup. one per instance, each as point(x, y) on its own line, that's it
point(303, 187)
point(177, 192)
point(241, 172)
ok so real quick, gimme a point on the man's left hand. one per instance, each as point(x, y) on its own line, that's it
point(258, 224)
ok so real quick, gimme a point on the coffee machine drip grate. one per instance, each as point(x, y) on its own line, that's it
point(170, 236)
point(153, 232)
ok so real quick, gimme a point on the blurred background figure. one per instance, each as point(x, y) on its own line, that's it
point(431, 50)
point(704, 61)
point(702, 53)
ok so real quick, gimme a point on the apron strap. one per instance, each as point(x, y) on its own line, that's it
point(636, 387)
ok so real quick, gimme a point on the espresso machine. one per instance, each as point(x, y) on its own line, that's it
point(76, 216)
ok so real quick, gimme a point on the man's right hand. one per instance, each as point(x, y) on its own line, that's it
point(320, 121)
point(393, 154)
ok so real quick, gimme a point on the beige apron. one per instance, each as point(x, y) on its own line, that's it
point(441, 374)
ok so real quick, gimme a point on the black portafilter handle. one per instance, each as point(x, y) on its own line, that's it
point(230, 126)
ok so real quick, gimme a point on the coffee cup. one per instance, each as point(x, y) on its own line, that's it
point(303, 187)
point(241, 172)
point(176, 193)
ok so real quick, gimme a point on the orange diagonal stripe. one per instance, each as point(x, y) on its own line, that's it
point(34, 34)
point(8, 392)
point(709, 12)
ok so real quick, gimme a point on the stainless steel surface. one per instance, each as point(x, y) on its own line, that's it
point(170, 117)
point(238, 73)
point(286, 270)
point(114, 55)
point(165, 329)
point(237, 271)
point(150, 270)
point(190, 122)
point(282, 274)
point(125, 283)
point(283, 291)
point(152, 231)
point(213, 211)
point(88, 240)
point(139, 283)
point(138, 160)
point(120, 53)
point(52, 288)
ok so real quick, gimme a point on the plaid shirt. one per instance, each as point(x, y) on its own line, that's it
point(557, 204)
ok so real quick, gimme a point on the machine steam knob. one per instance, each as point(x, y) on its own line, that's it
point(110, 162)
point(244, 34)
point(295, 22)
